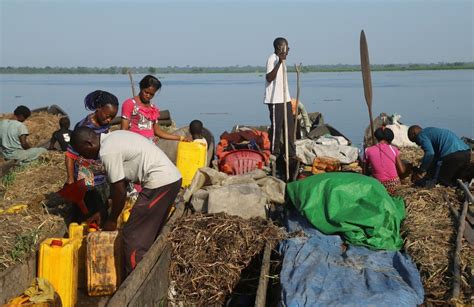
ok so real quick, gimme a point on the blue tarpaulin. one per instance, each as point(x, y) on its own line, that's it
point(316, 271)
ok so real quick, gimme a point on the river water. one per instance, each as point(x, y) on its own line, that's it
point(429, 98)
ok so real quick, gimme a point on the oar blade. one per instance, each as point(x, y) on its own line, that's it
point(365, 67)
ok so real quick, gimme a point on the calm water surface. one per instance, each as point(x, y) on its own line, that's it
point(429, 98)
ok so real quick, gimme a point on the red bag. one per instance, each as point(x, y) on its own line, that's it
point(75, 193)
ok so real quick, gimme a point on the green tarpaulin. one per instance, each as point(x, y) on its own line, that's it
point(354, 205)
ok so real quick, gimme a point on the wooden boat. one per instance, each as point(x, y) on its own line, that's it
point(147, 285)
point(6, 165)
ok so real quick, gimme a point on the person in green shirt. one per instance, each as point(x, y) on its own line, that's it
point(13, 134)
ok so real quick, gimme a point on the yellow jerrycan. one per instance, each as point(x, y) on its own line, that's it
point(191, 157)
point(104, 262)
point(58, 263)
point(78, 233)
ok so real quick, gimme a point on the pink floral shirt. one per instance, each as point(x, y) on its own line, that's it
point(382, 158)
point(141, 118)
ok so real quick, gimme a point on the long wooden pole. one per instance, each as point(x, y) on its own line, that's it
point(457, 253)
point(131, 82)
point(365, 67)
point(261, 296)
point(298, 71)
point(285, 114)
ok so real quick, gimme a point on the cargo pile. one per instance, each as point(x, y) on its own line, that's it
point(429, 231)
point(210, 251)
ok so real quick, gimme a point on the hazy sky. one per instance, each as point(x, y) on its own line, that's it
point(219, 33)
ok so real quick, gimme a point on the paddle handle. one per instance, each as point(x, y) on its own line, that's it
point(131, 83)
point(285, 115)
point(371, 124)
point(298, 71)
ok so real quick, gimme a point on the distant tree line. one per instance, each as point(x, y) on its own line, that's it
point(227, 69)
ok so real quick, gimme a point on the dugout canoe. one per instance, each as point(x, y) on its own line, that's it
point(147, 285)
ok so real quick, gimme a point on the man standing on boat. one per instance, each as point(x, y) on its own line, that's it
point(275, 87)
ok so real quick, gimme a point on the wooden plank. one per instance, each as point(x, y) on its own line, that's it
point(261, 297)
point(154, 289)
point(468, 230)
point(134, 281)
point(457, 253)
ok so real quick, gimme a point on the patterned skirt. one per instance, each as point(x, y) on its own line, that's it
point(391, 184)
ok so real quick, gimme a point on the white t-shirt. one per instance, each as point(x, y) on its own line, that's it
point(274, 89)
point(127, 154)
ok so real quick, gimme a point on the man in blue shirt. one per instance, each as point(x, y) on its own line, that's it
point(446, 156)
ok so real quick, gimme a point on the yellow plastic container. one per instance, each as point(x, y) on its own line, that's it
point(58, 264)
point(125, 215)
point(77, 233)
point(191, 157)
point(104, 262)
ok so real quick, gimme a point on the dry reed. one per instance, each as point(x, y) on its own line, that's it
point(31, 185)
point(210, 251)
point(429, 231)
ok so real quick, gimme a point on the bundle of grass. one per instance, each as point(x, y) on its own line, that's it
point(30, 183)
point(411, 154)
point(41, 126)
point(429, 231)
point(28, 190)
point(209, 253)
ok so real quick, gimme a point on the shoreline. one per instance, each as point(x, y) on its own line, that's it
point(115, 70)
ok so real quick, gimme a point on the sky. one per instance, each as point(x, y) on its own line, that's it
point(103, 33)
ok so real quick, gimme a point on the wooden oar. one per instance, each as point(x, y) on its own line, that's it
point(285, 114)
point(298, 71)
point(131, 82)
point(365, 67)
